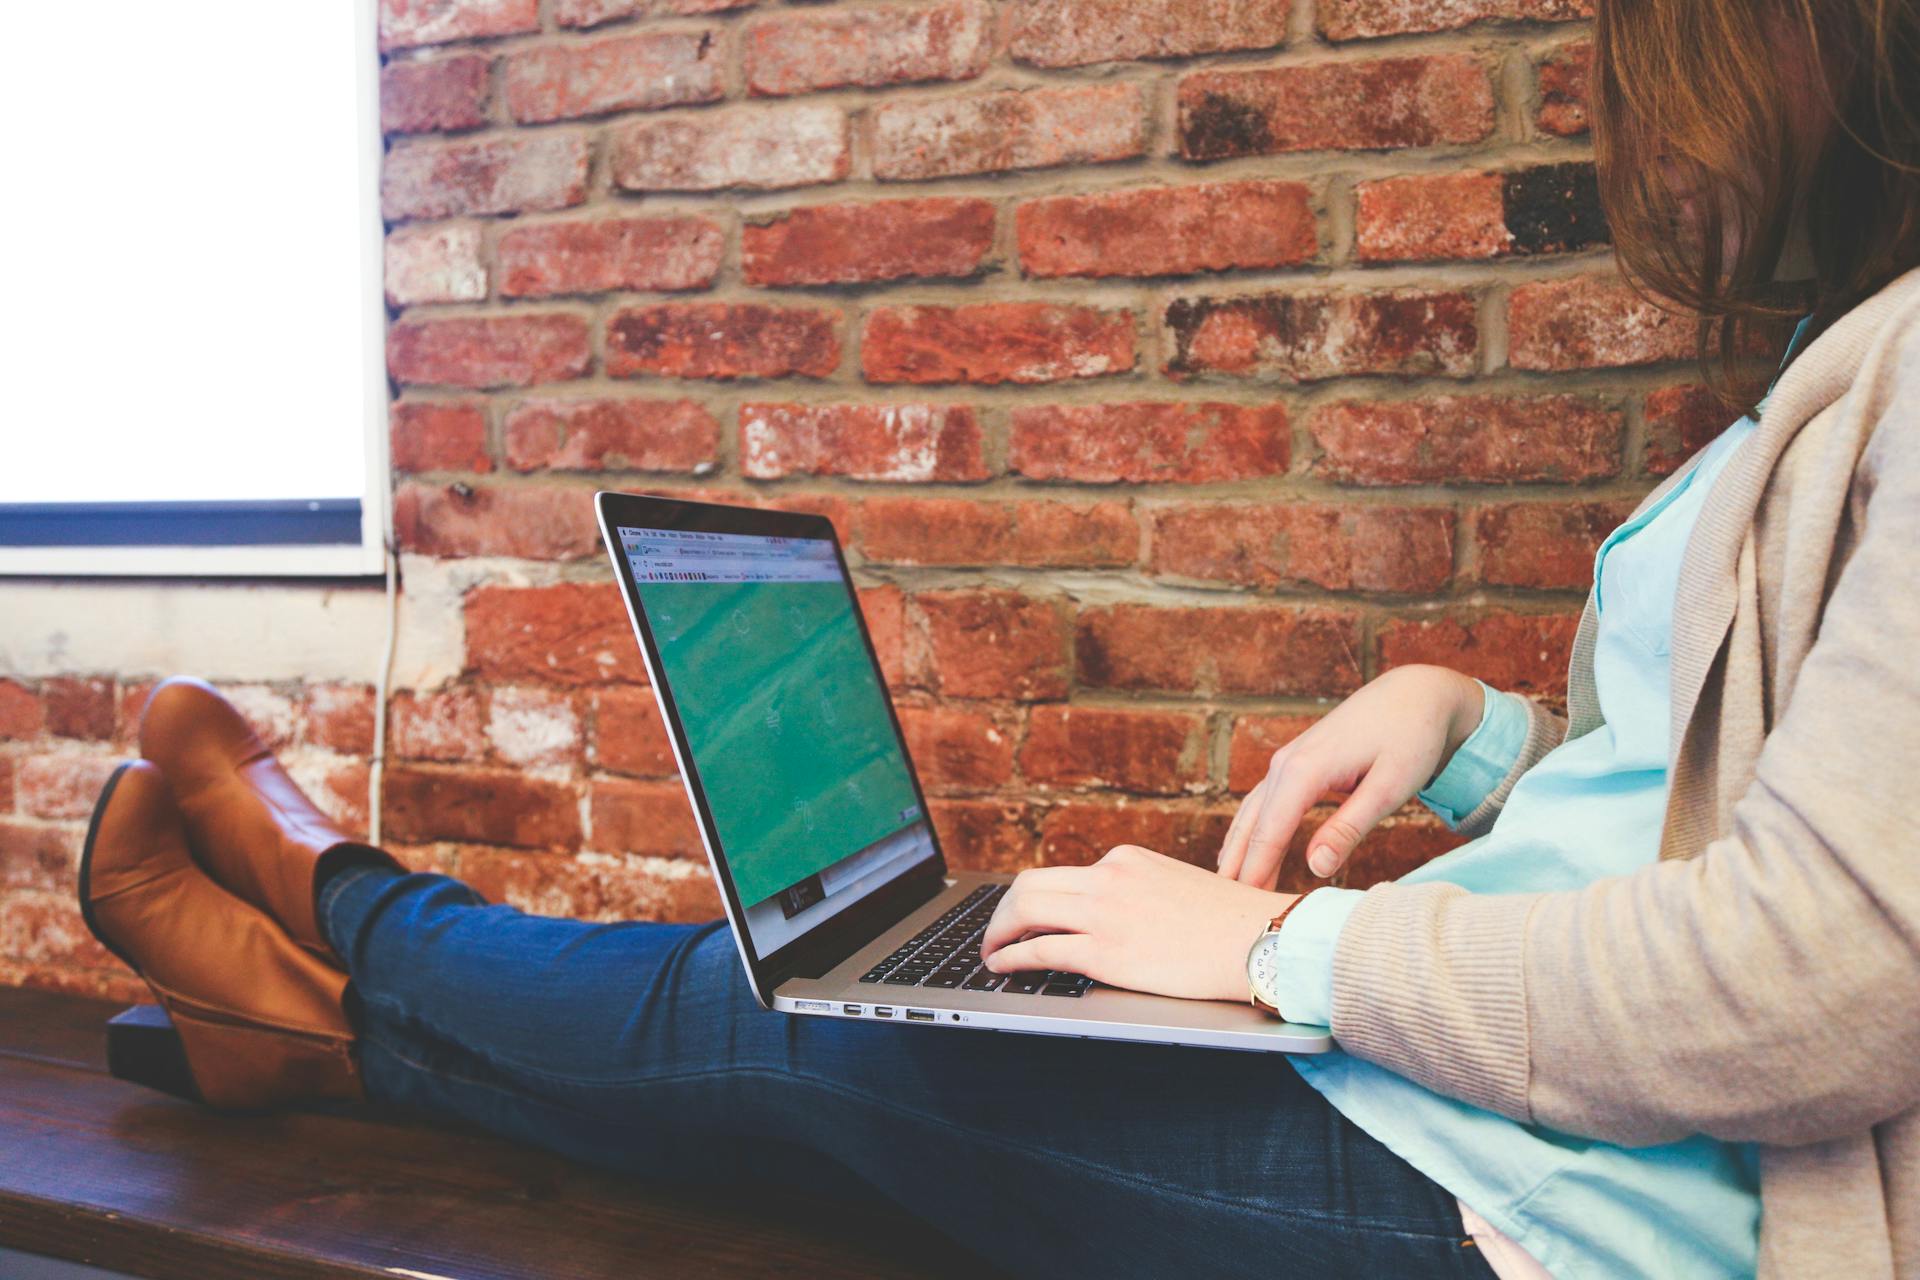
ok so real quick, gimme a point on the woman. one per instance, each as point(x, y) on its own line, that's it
point(1661, 1017)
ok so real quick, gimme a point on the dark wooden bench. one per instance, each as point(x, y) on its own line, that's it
point(101, 1172)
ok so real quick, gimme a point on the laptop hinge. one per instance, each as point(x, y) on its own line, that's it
point(816, 954)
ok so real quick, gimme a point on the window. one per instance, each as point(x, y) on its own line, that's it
point(195, 284)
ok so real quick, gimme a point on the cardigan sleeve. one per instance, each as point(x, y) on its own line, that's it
point(1766, 989)
point(1484, 760)
point(1542, 733)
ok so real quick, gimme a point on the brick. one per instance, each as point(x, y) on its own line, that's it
point(626, 73)
point(1351, 19)
point(60, 786)
point(1143, 441)
point(995, 342)
point(885, 610)
point(406, 23)
point(434, 95)
point(341, 791)
point(1518, 652)
point(758, 148)
point(444, 725)
point(21, 714)
point(1309, 336)
point(986, 835)
point(591, 13)
point(1563, 89)
point(1553, 208)
point(644, 817)
point(38, 858)
point(865, 442)
point(490, 806)
point(488, 351)
point(954, 748)
point(994, 644)
point(723, 340)
point(1267, 650)
point(1168, 231)
point(533, 726)
point(1467, 440)
point(78, 707)
point(594, 886)
point(1681, 421)
point(893, 44)
point(1381, 104)
point(628, 735)
point(1339, 548)
point(338, 717)
point(1151, 752)
point(47, 929)
point(1449, 215)
point(439, 435)
point(440, 263)
point(1592, 322)
point(611, 435)
point(1398, 845)
point(965, 531)
point(567, 633)
point(1073, 33)
point(272, 712)
point(1081, 832)
point(484, 175)
point(1255, 739)
point(530, 522)
point(1544, 544)
point(915, 139)
point(860, 243)
point(598, 255)
point(6, 803)
point(128, 705)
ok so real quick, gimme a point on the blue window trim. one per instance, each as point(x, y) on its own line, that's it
point(244, 523)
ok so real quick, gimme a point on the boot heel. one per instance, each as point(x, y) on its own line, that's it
point(143, 1047)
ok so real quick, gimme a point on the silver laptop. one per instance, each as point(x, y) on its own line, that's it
point(841, 902)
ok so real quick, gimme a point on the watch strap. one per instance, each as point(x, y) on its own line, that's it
point(1273, 926)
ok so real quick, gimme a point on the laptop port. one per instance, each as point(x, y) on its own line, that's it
point(919, 1015)
point(851, 1010)
point(882, 1011)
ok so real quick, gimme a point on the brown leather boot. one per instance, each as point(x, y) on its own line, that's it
point(258, 1020)
point(250, 826)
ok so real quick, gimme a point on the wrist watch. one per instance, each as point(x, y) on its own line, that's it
point(1263, 956)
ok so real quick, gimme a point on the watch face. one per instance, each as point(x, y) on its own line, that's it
point(1263, 969)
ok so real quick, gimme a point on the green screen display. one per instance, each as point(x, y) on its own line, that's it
point(782, 709)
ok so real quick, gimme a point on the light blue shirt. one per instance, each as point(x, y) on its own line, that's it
point(1591, 808)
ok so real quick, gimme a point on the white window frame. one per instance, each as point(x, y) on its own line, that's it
point(286, 560)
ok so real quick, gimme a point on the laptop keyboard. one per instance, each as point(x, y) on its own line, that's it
point(947, 954)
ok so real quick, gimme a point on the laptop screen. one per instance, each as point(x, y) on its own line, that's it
point(787, 721)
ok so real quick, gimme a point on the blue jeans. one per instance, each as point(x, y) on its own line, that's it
point(639, 1047)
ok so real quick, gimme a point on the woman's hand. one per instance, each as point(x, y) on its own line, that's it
point(1135, 919)
point(1383, 744)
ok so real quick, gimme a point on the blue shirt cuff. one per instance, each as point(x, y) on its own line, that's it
point(1485, 758)
point(1303, 959)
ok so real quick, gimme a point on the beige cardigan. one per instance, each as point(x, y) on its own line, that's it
point(1761, 982)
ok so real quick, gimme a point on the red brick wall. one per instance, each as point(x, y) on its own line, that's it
point(1170, 369)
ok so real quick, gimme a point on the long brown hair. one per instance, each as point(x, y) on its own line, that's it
point(1697, 98)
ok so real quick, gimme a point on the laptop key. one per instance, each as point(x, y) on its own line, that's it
point(1063, 989)
point(1025, 983)
point(943, 980)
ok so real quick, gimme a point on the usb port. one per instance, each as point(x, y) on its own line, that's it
point(851, 1010)
point(919, 1015)
point(882, 1011)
